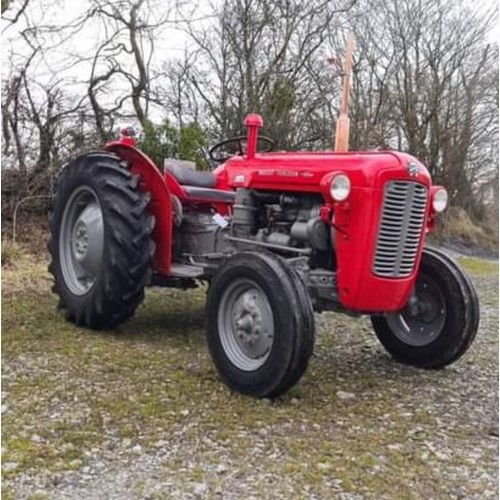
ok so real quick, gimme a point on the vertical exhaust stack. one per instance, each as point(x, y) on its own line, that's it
point(342, 128)
point(253, 122)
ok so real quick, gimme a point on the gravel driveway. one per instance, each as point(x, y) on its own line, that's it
point(140, 412)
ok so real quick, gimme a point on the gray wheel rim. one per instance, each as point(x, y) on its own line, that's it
point(81, 240)
point(245, 324)
point(422, 328)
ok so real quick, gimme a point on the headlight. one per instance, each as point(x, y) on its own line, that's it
point(440, 200)
point(340, 187)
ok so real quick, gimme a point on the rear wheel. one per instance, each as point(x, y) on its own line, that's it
point(260, 325)
point(439, 327)
point(100, 245)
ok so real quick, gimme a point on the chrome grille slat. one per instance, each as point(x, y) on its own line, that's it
point(400, 230)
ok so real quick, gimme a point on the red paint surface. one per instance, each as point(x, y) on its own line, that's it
point(160, 206)
point(253, 123)
point(356, 220)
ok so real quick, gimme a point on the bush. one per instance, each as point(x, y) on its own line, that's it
point(456, 224)
point(165, 141)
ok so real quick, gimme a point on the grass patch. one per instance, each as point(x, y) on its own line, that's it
point(11, 253)
point(479, 266)
point(7, 493)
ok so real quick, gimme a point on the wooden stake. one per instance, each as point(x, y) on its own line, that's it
point(342, 128)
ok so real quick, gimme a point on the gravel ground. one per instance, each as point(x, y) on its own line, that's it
point(140, 412)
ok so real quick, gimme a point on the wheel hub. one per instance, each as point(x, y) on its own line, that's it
point(246, 324)
point(251, 334)
point(423, 319)
point(426, 307)
point(81, 240)
point(248, 319)
point(88, 238)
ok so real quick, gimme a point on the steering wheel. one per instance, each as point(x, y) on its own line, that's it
point(239, 145)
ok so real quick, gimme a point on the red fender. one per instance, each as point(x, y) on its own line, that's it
point(160, 206)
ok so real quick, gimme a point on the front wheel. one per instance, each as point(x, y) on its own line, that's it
point(439, 327)
point(260, 324)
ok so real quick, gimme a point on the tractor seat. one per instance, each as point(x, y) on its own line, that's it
point(199, 185)
point(207, 194)
point(188, 177)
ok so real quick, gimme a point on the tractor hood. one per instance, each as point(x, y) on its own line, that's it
point(308, 171)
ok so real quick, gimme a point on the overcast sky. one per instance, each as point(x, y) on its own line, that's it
point(170, 41)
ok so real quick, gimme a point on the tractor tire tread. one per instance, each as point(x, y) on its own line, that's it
point(129, 248)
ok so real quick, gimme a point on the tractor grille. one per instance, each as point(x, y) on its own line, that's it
point(403, 215)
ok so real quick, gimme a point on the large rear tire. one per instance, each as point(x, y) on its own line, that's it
point(259, 324)
point(100, 241)
point(440, 327)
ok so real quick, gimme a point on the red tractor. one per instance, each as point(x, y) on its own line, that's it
point(276, 235)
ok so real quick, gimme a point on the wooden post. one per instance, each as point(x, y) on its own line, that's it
point(342, 128)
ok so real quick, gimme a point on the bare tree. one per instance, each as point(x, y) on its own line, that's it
point(257, 57)
point(126, 54)
point(423, 83)
point(18, 8)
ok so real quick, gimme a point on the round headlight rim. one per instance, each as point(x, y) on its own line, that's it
point(336, 178)
point(435, 199)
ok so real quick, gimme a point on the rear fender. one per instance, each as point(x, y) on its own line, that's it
point(160, 206)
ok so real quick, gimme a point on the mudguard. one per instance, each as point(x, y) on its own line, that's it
point(160, 206)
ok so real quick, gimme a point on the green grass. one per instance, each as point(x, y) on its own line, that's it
point(479, 266)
